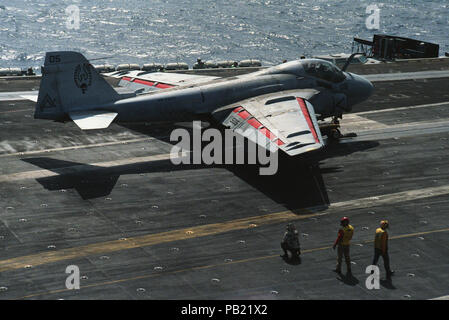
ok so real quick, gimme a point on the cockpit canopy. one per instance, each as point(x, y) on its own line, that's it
point(324, 70)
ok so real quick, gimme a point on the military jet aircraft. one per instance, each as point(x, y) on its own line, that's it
point(278, 106)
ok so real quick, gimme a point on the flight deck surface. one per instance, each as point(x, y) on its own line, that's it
point(138, 227)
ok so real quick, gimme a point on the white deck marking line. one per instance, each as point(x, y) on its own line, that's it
point(36, 174)
point(30, 97)
point(401, 108)
point(407, 75)
point(354, 122)
point(18, 95)
point(349, 119)
point(392, 197)
point(394, 129)
point(441, 298)
point(440, 126)
point(84, 146)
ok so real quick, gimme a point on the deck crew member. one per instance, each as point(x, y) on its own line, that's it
point(343, 242)
point(381, 247)
point(290, 242)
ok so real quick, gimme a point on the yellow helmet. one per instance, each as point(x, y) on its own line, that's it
point(384, 224)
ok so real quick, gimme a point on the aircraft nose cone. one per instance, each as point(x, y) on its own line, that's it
point(364, 87)
point(360, 89)
point(369, 88)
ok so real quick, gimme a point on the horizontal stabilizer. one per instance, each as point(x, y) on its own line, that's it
point(88, 120)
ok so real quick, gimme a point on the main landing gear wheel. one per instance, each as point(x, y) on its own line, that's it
point(332, 131)
point(335, 134)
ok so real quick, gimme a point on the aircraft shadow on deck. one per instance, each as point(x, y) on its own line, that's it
point(297, 184)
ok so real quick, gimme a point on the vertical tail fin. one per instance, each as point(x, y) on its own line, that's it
point(70, 84)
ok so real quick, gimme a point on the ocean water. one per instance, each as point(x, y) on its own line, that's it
point(165, 31)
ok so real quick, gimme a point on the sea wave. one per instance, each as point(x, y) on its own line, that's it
point(165, 31)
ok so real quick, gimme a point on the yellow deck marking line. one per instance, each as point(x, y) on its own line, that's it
point(209, 229)
point(15, 110)
point(147, 240)
point(153, 275)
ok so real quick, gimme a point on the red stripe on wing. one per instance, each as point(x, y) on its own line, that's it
point(270, 135)
point(244, 114)
point(279, 142)
point(306, 114)
point(256, 124)
point(145, 82)
point(163, 86)
point(253, 121)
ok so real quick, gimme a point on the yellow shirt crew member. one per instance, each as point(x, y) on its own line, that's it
point(381, 240)
point(381, 247)
point(343, 241)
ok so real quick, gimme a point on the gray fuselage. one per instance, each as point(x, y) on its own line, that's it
point(185, 103)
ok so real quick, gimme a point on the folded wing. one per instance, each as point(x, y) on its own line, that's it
point(284, 120)
point(153, 81)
